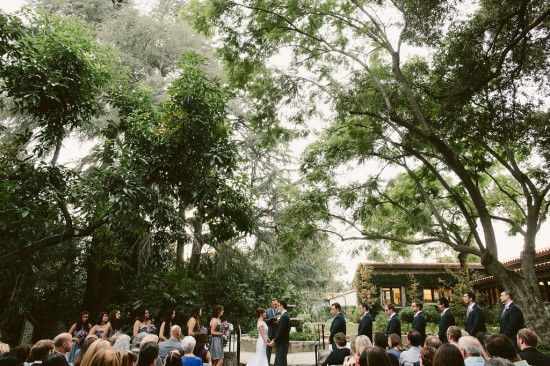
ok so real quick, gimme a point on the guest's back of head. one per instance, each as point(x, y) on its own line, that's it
point(339, 339)
point(122, 343)
point(4, 348)
point(188, 344)
point(427, 354)
point(433, 341)
point(454, 333)
point(173, 359)
point(106, 357)
point(95, 347)
point(448, 355)
point(381, 340)
point(129, 359)
point(374, 356)
point(498, 345)
point(55, 359)
point(8, 359)
point(22, 352)
point(498, 361)
point(148, 353)
point(41, 349)
point(83, 350)
point(394, 341)
point(361, 342)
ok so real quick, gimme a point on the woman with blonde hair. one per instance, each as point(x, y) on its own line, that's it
point(95, 347)
point(106, 357)
point(360, 343)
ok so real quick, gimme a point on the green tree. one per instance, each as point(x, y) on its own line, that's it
point(467, 115)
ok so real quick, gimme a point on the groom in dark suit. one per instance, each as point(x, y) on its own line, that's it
point(282, 337)
point(475, 320)
point(511, 320)
point(365, 323)
point(338, 323)
point(447, 319)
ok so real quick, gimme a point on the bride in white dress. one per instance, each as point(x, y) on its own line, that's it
point(260, 357)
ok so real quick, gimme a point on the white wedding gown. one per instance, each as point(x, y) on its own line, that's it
point(260, 357)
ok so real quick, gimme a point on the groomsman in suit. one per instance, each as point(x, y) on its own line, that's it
point(419, 320)
point(338, 323)
point(511, 320)
point(475, 320)
point(447, 319)
point(271, 318)
point(365, 323)
point(394, 325)
point(281, 340)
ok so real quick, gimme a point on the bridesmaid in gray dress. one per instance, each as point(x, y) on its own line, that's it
point(216, 342)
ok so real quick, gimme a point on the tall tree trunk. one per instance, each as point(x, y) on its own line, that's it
point(180, 260)
point(195, 260)
point(100, 282)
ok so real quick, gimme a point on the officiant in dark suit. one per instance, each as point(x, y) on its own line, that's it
point(365, 323)
point(271, 320)
point(338, 323)
point(281, 339)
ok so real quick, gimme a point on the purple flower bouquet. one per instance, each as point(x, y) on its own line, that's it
point(151, 328)
point(202, 329)
point(81, 334)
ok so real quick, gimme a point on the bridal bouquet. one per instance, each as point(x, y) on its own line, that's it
point(151, 328)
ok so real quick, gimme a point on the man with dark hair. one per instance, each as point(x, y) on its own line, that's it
point(281, 340)
point(148, 354)
point(380, 340)
point(271, 320)
point(419, 320)
point(338, 323)
point(365, 323)
point(498, 345)
point(475, 320)
point(447, 319)
point(527, 342)
point(511, 319)
point(394, 325)
point(412, 355)
point(453, 334)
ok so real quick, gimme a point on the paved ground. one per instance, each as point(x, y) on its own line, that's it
point(294, 359)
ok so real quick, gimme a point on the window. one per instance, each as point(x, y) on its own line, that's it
point(432, 294)
point(391, 294)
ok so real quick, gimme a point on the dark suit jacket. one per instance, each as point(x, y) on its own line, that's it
point(169, 345)
point(394, 326)
point(447, 319)
point(534, 357)
point(365, 326)
point(337, 357)
point(271, 328)
point(511, 322)
point(475, 322)
point(338, 325)
point(283, 329)
point(419, 323)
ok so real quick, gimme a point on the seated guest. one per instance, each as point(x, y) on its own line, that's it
point(148, 354)
point(427, 354)
point(433, 341)
point(471, 351)
point(448, 355)
point(374, 356)
point(380, 340)
point(527, 343)
point(412, 355)
point(4, 348)
point(84, 346)
point(172, 343)
point(55, 359)
point(453, 334)
point(173, 359)
point(122, 343)
point(40, 350)
point(22, 352)
point(106, 357)
point(357, 346)
point(337, 356)
point(8, 359)
point(128, 359)
point(189, 359)
point(95, 347)
point(394, 346)
point(498, 361)
point(498, 345)
point(200, 348)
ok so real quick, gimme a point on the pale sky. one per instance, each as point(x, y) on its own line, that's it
point(509, 248)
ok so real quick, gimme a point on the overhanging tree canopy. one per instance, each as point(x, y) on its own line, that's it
point(465, 119)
